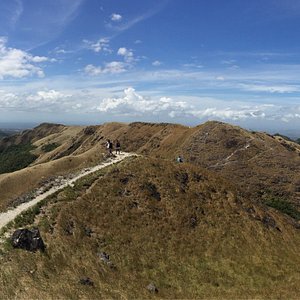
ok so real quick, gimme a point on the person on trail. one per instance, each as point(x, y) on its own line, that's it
point(118, 147)
point(109, 146)
point(179, 159)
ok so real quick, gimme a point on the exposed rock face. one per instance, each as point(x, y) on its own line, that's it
point(28, 239)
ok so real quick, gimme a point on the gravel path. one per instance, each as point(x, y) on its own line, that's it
point(10, 215)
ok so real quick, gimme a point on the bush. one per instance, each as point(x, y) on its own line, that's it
point(283, 206)
point(50, 147)
point(16, 157)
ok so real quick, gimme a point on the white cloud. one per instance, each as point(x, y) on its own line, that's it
point(97, 46)
point(192, 65)
point(44, 100)
point(50, 96)
point(230, 114)
point(271, 88)
point(126, 53)
point(38, 59)
point(113, 67)
point(156, 63)
point(92, 70)
point(116, 17)
point(135, 104)
point(18, 63)
point(228, 62)
point(220, 78)
point(132, 22)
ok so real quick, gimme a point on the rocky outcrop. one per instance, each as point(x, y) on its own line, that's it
point(28, 239)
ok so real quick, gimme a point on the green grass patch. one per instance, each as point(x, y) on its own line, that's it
point(50, 147)
point(283, 206)
point(16, 157)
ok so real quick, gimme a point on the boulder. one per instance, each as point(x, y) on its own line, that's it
point(28, 239)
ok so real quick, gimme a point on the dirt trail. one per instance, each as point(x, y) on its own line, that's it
point(10, 215)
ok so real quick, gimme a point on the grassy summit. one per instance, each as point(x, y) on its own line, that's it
point(186, 230)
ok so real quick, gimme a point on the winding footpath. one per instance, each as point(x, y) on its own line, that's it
point(10, 215)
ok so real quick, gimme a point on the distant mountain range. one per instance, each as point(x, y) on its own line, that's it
point(8, 132)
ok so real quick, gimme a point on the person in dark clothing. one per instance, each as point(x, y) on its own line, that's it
point(109, 147)
point(118, 147)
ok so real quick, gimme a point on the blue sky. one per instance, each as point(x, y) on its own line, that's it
point(92, 61)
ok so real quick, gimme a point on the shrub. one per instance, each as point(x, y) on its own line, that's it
point(16, 157)
point(283, 206)
point(50, 147)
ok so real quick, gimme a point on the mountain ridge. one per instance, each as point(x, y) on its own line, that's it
point(222, 224)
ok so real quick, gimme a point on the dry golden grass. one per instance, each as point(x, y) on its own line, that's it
point(14, 184)
point(181, 227)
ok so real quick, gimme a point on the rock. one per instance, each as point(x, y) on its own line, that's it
point(88, 231)
point(268, 221)
point(69, 228)
point(86, 281)
point(151, 190)
point(193, 221)
point(104, 257)
point(28, 239)
point(152, 288)
point(124, 180)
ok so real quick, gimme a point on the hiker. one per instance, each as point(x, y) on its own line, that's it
point(118, 147)
point(179, 159)
point(109, 147)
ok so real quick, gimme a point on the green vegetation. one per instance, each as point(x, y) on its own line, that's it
point(283, 206)
point(284, 137)
point(298, 141)
point(50, 147)
point(16, 157)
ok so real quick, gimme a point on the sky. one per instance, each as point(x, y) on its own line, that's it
point(178, 61)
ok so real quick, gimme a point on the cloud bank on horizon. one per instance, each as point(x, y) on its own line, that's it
point(91, 61)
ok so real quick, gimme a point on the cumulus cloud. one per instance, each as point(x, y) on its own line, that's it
point(114, 67)
point(230, 114)
point(135, 104)
point(126, 53)
point(18, 63)
point(44, 100)
point(156, 63)
point(116, 17)
point(50, 96)
point(97, 46)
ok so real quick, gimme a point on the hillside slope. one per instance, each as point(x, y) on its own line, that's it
point(266, 168)
point(263, 166)
point(146, 220)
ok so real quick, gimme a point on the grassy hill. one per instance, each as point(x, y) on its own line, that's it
point(178, 226)
point(263, 166)
point(224, 224)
